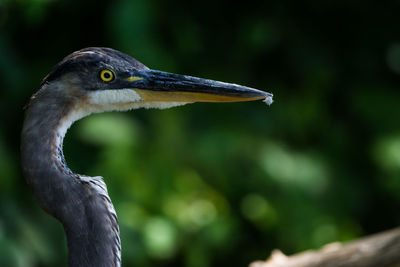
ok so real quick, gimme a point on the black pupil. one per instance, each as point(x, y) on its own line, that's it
point(106, 75)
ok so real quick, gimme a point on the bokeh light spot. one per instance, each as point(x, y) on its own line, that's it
point(291, 168)
point(160, 237)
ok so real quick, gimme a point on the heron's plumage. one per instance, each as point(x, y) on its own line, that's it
point(74, 89)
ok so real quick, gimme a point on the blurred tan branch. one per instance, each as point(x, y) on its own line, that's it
point(382, 249)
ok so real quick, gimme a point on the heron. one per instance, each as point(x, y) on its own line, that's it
point(87, 81)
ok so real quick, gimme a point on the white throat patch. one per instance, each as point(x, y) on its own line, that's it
point(105, 98)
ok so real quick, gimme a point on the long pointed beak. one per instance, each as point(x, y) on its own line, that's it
point(153, 85)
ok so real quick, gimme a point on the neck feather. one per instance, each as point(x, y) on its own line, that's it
point(80, 203)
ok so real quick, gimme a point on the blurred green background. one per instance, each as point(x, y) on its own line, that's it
point(216, 184)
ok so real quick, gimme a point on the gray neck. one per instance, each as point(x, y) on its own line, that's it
point(80, 203)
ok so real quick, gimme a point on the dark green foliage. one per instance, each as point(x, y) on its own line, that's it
point(209, 184)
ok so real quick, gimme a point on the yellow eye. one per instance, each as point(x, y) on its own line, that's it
point(106, 75)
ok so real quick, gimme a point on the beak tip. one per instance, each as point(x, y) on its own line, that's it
point(268, 98)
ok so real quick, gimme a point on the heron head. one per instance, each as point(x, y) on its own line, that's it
point(104, 79)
